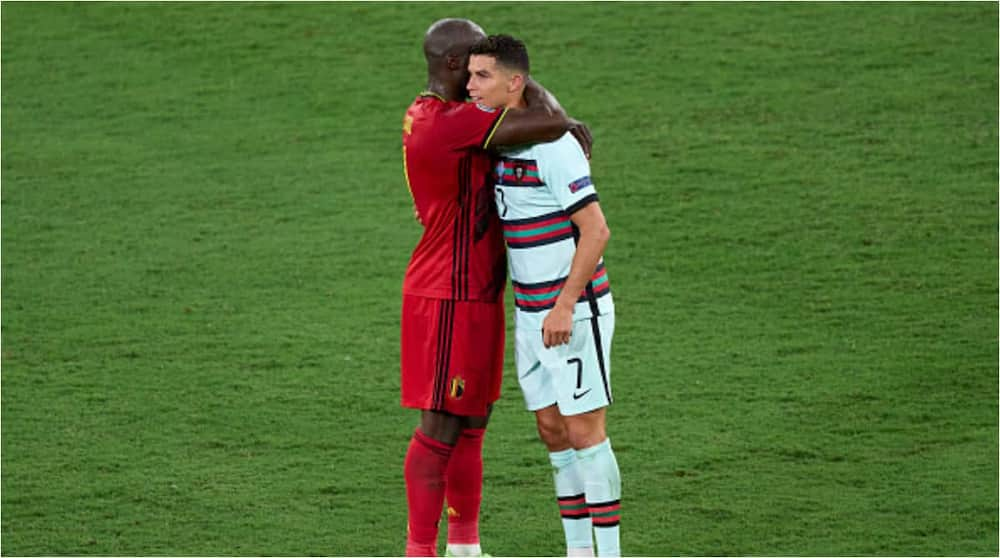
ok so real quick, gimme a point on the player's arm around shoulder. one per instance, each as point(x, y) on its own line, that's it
point(567, 148)
point(544, 120)
point(529, 125)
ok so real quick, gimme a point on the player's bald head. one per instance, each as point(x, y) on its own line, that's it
point(450, 37)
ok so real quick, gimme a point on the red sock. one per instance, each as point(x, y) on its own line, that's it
point(424, 468)
point(465, 487)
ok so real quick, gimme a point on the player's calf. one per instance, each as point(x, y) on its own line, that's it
point(602, 485)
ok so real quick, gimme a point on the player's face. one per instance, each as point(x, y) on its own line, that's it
point(489, 84)
point(463, 48)
point(465, 74)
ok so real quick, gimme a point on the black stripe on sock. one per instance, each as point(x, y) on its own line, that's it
point(604, 504)
point(565, 498)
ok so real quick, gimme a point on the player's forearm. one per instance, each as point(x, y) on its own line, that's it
point(530, 125)
point(537, 96)
point(590, 246)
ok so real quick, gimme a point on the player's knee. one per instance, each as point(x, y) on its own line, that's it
point(553, 433)
point(439, 426)
point(584, 440)
point(478, 422)
point(583, 434)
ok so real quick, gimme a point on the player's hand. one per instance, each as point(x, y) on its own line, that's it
point(581, 132)
point(557, 326)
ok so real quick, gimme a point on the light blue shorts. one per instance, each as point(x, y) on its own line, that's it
point(576, 376)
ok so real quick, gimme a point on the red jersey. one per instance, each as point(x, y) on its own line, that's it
point(461, 253)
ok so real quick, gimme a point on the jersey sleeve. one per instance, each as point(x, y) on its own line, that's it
point(471, 125)
point(566, 172)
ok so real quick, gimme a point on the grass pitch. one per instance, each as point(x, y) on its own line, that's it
point(205, 227)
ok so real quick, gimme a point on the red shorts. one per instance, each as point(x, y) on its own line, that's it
point(451, 354)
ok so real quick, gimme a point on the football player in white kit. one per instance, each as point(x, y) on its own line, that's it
point(564, 318)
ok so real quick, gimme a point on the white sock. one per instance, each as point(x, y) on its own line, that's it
point(603, 486)
point(572, 503)
point(465, 549)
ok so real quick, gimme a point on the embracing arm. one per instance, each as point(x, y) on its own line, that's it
point(543, 120)
point(529, 125)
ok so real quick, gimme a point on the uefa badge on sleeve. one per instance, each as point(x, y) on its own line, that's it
point(580, 184)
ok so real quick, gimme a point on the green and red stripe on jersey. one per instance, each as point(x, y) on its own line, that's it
point(573, 507)
point(517, 172)
point(605, 514)
point(538, 231)
point(536, 297)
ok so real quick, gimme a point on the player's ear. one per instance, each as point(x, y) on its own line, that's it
point(517, 81)
point(455, 63)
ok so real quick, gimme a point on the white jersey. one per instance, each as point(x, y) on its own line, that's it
point(537, 189)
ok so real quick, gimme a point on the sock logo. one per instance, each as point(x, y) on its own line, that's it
point(452, 512)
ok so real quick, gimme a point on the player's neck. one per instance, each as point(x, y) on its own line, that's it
point(518, 102)
point(445, 90)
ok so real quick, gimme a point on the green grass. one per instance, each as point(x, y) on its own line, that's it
point(205, 227)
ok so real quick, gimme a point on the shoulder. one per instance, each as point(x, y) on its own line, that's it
point(566, 147)
point(462, 108)
point(562, 155)
point(561, 151)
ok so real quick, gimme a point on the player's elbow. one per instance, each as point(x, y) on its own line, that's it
point(604, 233)
point(556, 126)
point(596, 232)
point(552, 124)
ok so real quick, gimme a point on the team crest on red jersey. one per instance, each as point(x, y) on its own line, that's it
point(457, 388)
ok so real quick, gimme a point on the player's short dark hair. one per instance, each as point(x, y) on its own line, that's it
point(508, 51)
